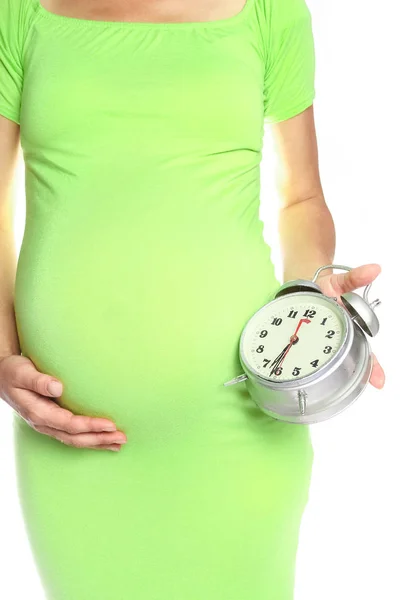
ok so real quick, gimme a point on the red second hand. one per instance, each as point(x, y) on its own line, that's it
point(293, 338)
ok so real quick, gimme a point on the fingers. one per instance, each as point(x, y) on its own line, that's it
point(25, 389)
point(40, 411)
point(356, 278)
point(103, 440)
point(41, 420)
point(114, 447)
point(377, 378)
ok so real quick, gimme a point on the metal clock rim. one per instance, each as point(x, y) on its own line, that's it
point(321, 373)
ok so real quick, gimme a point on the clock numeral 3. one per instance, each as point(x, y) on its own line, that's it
point(327, 349)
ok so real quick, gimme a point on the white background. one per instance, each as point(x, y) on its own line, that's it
point(350, 533)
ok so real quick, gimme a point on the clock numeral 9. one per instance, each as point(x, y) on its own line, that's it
point(296, 371)
point(327, 349)
point(263, 333)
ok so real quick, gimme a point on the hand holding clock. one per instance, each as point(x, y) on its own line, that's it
point(336, 284)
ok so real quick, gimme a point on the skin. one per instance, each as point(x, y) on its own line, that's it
point(303, 215)
point(145, 10)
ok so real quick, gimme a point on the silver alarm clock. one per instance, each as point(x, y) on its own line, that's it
point(305, 356)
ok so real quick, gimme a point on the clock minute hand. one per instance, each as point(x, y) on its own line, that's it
point(278, 358)
point(293, 338)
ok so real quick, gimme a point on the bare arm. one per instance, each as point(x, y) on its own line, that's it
point(9, 146)
point(306, 227)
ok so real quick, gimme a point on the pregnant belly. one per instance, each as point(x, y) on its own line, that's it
point(139, 331)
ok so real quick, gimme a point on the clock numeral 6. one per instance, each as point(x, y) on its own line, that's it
point(278, 371)
point(296, 371)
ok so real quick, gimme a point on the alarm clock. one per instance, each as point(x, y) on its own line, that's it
point(305, 356)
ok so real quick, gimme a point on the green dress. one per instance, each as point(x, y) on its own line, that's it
point(142, 259)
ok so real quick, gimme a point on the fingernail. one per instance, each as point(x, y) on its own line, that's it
point(114, 449)
point(109, 428)
point(120, 441)
point(55, 387)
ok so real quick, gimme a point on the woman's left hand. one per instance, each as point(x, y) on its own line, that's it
point(336, 284)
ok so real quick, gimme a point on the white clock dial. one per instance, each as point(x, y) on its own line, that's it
point(293, 337)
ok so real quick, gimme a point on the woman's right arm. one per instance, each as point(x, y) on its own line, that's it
point(9, 146)
point(28, 391)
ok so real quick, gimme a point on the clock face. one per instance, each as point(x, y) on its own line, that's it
point(293, 337)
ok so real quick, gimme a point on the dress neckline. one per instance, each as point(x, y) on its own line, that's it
point(177, 25)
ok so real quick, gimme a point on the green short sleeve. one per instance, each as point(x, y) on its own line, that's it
point(11, 72)
point(290, 60)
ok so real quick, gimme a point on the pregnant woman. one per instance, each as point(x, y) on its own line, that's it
point(141, 126)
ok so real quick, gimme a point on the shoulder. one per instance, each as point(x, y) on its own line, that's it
point(15, 13)
point(283, 13)
point(10, 8)
point(16, 17)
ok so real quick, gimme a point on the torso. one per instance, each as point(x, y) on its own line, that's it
point(163, 11)
point(143, 145)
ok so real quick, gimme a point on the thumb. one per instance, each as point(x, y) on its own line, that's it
point(28, 377)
